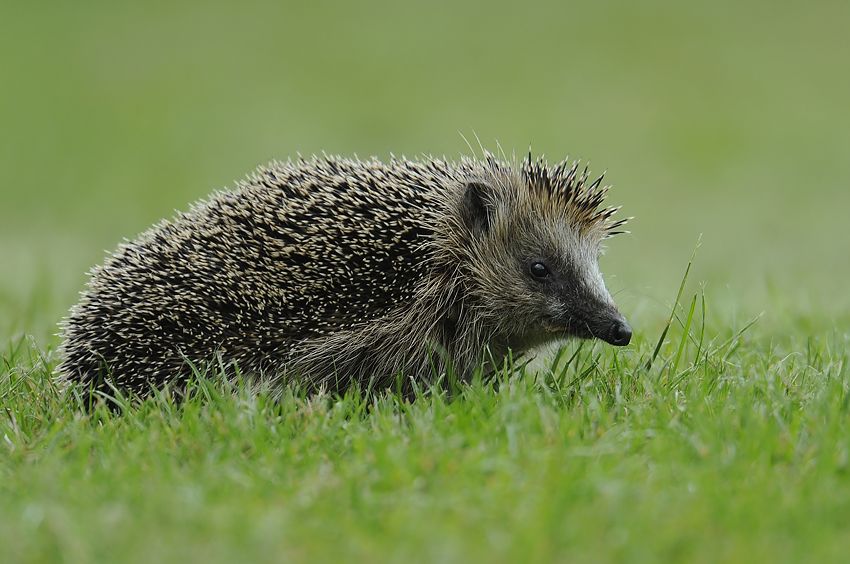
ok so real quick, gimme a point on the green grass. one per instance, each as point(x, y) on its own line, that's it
point(714, 443)
point(720, 433)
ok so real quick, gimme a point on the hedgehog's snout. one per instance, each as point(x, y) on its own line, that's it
point(619, 334)
point(612, 328)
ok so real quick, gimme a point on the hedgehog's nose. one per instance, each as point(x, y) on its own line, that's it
point(621, 333)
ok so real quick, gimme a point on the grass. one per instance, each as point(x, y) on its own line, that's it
point(714, 443)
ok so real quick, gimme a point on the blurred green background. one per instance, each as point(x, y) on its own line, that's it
point(725, 119)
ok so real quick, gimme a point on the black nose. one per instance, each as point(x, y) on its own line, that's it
point(621, 333)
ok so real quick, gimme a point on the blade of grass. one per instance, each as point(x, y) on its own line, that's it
point(673, 309)
point(685, 334)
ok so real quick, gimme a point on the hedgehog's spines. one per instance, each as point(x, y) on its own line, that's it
point(319, 263)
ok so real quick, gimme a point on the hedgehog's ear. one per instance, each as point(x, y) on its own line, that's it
point(477, 206)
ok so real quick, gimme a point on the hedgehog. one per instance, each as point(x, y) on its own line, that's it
point(327, 272)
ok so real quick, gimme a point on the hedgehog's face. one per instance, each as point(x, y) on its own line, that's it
point(537, 275)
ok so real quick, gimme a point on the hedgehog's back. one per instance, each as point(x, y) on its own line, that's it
point(297, 252)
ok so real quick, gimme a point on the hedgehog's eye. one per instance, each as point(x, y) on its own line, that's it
point(539, 270)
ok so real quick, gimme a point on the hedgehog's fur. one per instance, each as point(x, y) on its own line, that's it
point(330, 271)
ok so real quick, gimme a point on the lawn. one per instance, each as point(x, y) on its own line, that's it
point(729, 445)
point(720, 433)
